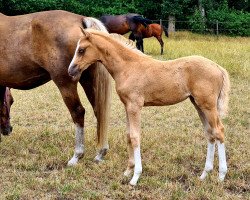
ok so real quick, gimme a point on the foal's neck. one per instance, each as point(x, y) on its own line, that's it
point(116, 57)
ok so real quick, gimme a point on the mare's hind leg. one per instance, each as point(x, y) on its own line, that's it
point(70, 96)
point(210, 146)
point(87, 81)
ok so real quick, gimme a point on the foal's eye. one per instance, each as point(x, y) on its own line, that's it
point(81, 51)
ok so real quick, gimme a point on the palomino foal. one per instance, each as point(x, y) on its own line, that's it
point(143, 81)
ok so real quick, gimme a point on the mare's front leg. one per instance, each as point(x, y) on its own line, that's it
point(134, 124)
point(68, 90)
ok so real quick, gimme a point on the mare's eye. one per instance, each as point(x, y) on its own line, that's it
point(81, 51)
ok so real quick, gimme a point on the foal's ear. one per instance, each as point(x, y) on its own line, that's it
point(84, 32)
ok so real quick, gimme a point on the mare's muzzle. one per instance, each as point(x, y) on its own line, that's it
point(6, 130)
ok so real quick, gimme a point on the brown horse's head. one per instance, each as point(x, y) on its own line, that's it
point(5, 127)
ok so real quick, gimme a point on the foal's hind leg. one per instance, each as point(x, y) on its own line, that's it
point(210, 146)
point(131, 162)
point(134, 119)
point(215, 132)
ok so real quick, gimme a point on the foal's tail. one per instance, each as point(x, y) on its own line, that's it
point(165, 30)
point(102, 86)
point(222, 102)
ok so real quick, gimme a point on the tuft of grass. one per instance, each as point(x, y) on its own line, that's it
point(33, 158)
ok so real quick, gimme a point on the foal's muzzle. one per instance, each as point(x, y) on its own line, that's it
point(74, 70)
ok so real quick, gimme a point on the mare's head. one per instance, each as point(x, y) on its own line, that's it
point(86, 53)
point(5, 127)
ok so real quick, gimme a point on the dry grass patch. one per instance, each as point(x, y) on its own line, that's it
point(33, 158)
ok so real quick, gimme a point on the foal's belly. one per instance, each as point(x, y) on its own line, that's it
point(164, 101)
point(165, 94)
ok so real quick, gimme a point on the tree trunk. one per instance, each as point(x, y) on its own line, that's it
point(171, 23)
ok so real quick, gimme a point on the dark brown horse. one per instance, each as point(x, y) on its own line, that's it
point(122, 24)
point(152, 30)
point(36, 48)
point(5, 104)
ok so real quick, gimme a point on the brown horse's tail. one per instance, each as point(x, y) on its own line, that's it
point(102, 86)
point(222, 103)
point(165, 30)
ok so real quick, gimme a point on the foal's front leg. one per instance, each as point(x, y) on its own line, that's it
point(134, 120)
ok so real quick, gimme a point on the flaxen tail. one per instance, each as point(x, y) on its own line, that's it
point(103, 89)
point(222, 103)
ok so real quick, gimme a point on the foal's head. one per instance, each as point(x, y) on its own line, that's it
point(5, 127)
point(86, 54)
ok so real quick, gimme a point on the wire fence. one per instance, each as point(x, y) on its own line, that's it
point(211, 27)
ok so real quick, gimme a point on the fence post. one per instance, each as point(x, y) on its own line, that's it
point(217, 28)
point(161, 22)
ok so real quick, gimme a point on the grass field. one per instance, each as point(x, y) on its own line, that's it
point(33, 158)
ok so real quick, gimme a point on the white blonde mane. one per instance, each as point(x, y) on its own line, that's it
point(129, 44)
point(94, 23)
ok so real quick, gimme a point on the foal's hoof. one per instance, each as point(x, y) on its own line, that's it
point(72, 162)
point(127, 172)
point(221, 176)
point(203, 176)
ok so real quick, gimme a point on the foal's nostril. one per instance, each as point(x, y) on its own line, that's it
point(73, 70)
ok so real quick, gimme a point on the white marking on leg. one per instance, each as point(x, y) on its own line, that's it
point(209, 160)
point(79, 145)
point(138, 166)
point(222, 160)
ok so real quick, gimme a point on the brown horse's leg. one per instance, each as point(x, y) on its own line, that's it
point(161, 43)
point(68, 90)
point(98, 90)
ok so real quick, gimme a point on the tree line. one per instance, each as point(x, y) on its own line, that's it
point(234, 16)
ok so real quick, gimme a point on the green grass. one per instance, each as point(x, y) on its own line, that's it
point(33, 158)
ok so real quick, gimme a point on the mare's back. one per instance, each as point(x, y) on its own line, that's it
point(23, 33)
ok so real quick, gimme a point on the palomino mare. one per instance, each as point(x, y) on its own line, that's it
point(122, 24)
point(5, 104)
point(143, 81)
point(36, 48)
point(152, 30)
